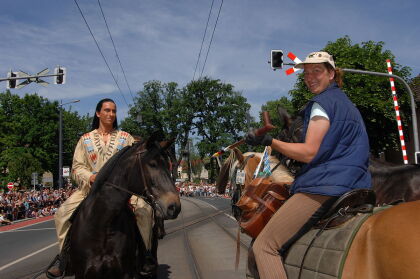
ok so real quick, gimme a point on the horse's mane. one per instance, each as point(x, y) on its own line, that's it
point(386, 171)
point(109, 166)
point(223, 177)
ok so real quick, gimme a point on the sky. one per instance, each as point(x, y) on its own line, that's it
point(161, 40)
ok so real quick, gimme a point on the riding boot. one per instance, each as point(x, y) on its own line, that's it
point(56, 269)
point(149, 267)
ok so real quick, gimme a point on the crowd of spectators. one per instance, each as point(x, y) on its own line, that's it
point(16, 205)
point(190, 189)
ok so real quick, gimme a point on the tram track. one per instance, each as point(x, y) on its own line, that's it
point(194, 266)
point(211, 216)
point(204, 238)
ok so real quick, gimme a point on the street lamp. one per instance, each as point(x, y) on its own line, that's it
point(60, 142)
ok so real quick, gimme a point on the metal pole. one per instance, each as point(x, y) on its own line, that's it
point(189, 162)
point(60, 147)
point(60, 142)
point(413, 104)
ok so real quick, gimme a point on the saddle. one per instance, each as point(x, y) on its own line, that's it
point(348, 205)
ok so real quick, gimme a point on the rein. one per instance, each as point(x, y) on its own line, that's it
point(125, 190)
point(147, 197)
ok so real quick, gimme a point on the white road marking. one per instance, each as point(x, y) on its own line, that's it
point(29, 230)
point(27, 256)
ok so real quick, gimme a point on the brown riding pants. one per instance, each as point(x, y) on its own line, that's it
point(294, 218)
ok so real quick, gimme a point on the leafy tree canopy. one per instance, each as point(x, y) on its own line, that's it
point(29, 136)
point(207, 109)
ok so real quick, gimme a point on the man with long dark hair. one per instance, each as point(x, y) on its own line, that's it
point(93, 150)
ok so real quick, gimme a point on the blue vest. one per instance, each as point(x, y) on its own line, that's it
point(341, 163)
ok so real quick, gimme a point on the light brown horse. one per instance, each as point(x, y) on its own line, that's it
point(249, 162)
point(387, 245)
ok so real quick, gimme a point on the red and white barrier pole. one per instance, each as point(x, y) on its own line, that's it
point(397, 112)
point(294, 59)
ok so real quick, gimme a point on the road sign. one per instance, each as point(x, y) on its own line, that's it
point(66, 171)
point(240, 177)
point(10, 185)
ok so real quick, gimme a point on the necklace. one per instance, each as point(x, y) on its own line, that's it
point(102, 133)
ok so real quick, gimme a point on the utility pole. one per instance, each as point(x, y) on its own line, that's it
point(189, 161)
point(60, 142)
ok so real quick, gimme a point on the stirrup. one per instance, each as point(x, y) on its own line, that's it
point(55, 261)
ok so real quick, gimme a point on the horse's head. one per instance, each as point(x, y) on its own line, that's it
point(144, 169)
point(292, 126)
point(236, 158)
point(156, 175)
point(292, 132)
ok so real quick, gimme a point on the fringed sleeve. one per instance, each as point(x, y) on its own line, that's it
point(81, 170)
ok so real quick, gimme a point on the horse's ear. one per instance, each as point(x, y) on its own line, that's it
point(285, 116)
point(156, 136)
point(166, 144)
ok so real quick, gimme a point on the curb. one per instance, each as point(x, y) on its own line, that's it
point(25, 222)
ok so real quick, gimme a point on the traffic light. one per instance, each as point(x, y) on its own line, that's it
point(11, 83)
point(61, 75)
point(276, 59)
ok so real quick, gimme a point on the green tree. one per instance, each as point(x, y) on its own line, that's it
point(20, 165)
point(208, 109)
point(29, 135)
point(74, 126)
point(30, 122)
point(157, 107)
point(220, 114)
point(371, 94)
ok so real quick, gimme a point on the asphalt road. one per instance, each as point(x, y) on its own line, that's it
point(26, 251)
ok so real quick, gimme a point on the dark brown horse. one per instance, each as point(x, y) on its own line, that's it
point(104, 239)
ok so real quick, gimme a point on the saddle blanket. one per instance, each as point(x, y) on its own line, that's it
point(327, 254)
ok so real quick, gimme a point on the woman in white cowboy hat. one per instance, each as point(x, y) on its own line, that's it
point(335, 150)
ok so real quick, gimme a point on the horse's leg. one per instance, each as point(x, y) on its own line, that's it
point(387, 245)
point(155, 238)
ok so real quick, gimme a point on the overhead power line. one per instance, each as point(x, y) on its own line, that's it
point(115, 49)
point(202, 41)
point(103, 56)
point(211, 39)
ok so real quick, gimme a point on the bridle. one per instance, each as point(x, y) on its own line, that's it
point(146, 196)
